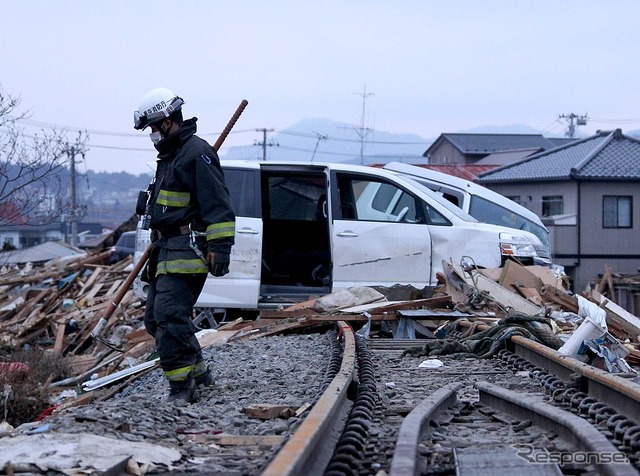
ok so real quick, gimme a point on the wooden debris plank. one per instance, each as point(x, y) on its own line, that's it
point(514, 274)
point(137, 336)
point(92, 293)
point(304, 305)
point(457, 286)
point(141, 348)
point(269, 411)
point(82, 363)
point(89, 282)
point(618, 316)
point(531, 294)
point(414, 304)
point(35, 278)
point(435, 314)
point(57, 347)
point(208, 338)
point(559, 297)
point(492, 273)
point(114, 287)
point(505, 297)
point(28, 306)
point(227, 326)
point(275, 329)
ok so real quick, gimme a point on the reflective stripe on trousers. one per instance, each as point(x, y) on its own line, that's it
point(168, 318)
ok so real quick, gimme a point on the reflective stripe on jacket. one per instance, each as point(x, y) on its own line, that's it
point(175, 256)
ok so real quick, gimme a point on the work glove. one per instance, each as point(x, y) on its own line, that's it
point(218, 263)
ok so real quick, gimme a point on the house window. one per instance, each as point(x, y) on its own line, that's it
point(552, 205)
point(616, 211)
point(515, 198)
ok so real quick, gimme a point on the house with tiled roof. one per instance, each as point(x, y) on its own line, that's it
point(585, 192)
point(466, 149)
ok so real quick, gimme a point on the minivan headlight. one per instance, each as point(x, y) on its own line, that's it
point(516, 245)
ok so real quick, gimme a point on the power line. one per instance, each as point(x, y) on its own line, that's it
point(98, 132)
point(616, 121)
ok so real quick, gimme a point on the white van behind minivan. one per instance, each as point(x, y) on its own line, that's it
point(309, 229)
point(481, 203)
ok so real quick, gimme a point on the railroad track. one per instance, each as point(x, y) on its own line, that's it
point(529, 409)
point(375, 410)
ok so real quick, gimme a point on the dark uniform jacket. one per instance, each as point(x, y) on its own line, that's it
point(189, 191)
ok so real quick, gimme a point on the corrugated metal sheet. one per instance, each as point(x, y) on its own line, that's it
point(38, 254)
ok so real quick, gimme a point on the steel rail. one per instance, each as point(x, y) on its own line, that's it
point(415, 424)
point(617, 392)
point(565, 424)
point(309, 449)
point(586, 437)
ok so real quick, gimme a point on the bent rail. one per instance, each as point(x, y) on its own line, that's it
point(307, 451)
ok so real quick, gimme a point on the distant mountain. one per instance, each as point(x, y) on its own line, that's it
point(323, 140)
point(508, 129)
point(635, 134)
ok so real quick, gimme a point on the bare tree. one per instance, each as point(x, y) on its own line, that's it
point(32, 168)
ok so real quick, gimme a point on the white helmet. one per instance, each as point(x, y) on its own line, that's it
point(156, 105)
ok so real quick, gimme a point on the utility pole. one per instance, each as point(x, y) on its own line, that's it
point(75, 213)
point(74, 219)
point(580, 121)
point(264, 143)
point(362, 131)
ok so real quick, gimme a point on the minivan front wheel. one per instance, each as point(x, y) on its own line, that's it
point(209, 317)
point(213, 317)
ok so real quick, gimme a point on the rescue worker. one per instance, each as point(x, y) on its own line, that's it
point(192, 224)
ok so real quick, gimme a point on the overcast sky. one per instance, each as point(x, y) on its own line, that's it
point(432, 66)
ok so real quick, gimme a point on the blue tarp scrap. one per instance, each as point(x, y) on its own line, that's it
point(598, 348)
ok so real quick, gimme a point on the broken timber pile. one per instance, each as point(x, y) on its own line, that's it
point(623, 289)
point(476, 296)
point(55, 307)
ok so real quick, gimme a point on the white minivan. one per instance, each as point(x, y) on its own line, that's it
point(308, 229)
point(481, 203)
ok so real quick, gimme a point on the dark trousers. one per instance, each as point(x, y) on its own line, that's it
point(168, 318)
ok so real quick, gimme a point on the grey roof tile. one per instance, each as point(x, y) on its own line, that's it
point(489, 143)
point(607, 155)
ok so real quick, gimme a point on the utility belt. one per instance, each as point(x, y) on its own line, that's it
point(197, 240)
point(170, 232)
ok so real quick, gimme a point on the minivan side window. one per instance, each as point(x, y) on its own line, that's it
point(371, 199)
point(243, 189)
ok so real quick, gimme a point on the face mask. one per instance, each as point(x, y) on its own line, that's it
point(155, 137)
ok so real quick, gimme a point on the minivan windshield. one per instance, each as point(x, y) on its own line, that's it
point(489, 212)
point(439, 198)
point(481, 209)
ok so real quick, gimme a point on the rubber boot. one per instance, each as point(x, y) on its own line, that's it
point(183, 392)
point(205, 379)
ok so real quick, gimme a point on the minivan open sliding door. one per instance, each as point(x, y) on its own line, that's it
point(380, 235)
point(296, 259)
